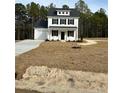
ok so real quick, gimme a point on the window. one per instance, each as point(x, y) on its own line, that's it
point(62, 21)
point(66, 12)
point(63, 12)
point(54, 21)
point(71, 21)
point(59, 12)
point(54, 32)
point(71, 33)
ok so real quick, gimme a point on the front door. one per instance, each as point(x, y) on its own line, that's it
point(62, 35)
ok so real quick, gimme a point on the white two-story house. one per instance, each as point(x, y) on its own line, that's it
point(62, 25)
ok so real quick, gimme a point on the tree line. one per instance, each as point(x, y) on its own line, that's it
point(90, 24)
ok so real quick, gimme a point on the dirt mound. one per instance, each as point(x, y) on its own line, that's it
point(44, 79)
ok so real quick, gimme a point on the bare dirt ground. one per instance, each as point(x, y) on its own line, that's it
point(25, 91)
point(92, 58)
point(97, 38)
point(54, 80)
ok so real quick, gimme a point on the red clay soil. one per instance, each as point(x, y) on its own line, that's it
point(93, 58)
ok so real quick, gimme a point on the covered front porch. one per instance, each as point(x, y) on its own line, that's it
point(63, 33)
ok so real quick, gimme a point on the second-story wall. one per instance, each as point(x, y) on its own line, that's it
point(74, 25)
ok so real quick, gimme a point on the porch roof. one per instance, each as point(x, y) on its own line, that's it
point(62, 28)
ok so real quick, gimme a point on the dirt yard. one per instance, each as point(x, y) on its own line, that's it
point(25, 91)
point(92, 58)
point(55, 80)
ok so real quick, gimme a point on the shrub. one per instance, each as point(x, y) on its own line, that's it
point(79, 41)
point(73, 41)
point(46, 40)
point(76, 47)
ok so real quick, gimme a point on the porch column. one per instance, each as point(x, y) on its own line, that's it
point(59, 34)
point(49, 34)
point(75, 34)
point(66, 35)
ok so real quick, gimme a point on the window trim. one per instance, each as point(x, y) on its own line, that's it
point(69, 22)
point(62, 20)
point(69, 35)
point(56, 22)
point(54, 34)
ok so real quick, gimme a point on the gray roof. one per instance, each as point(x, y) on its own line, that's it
point(73, 12)
point(61, 27)
point(41, 24)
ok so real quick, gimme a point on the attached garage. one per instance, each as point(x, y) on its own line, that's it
point(40, 33)
point(41, 30)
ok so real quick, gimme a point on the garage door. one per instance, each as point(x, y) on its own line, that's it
point(41, 34)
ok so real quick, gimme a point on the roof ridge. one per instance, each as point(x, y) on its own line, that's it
point(64, 9)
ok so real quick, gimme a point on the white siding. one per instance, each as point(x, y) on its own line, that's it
point(71, 38)
point(66, 37)
point(75, 21)
point(63, 25)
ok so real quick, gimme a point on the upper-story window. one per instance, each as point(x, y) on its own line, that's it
point(71, 21)
point(62, 21)
point(63, 12)
point(54, 21)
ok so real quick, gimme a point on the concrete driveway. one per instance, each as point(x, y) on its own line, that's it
point(26, 45)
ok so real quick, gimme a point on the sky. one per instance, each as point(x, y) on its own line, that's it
point(94, 5)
